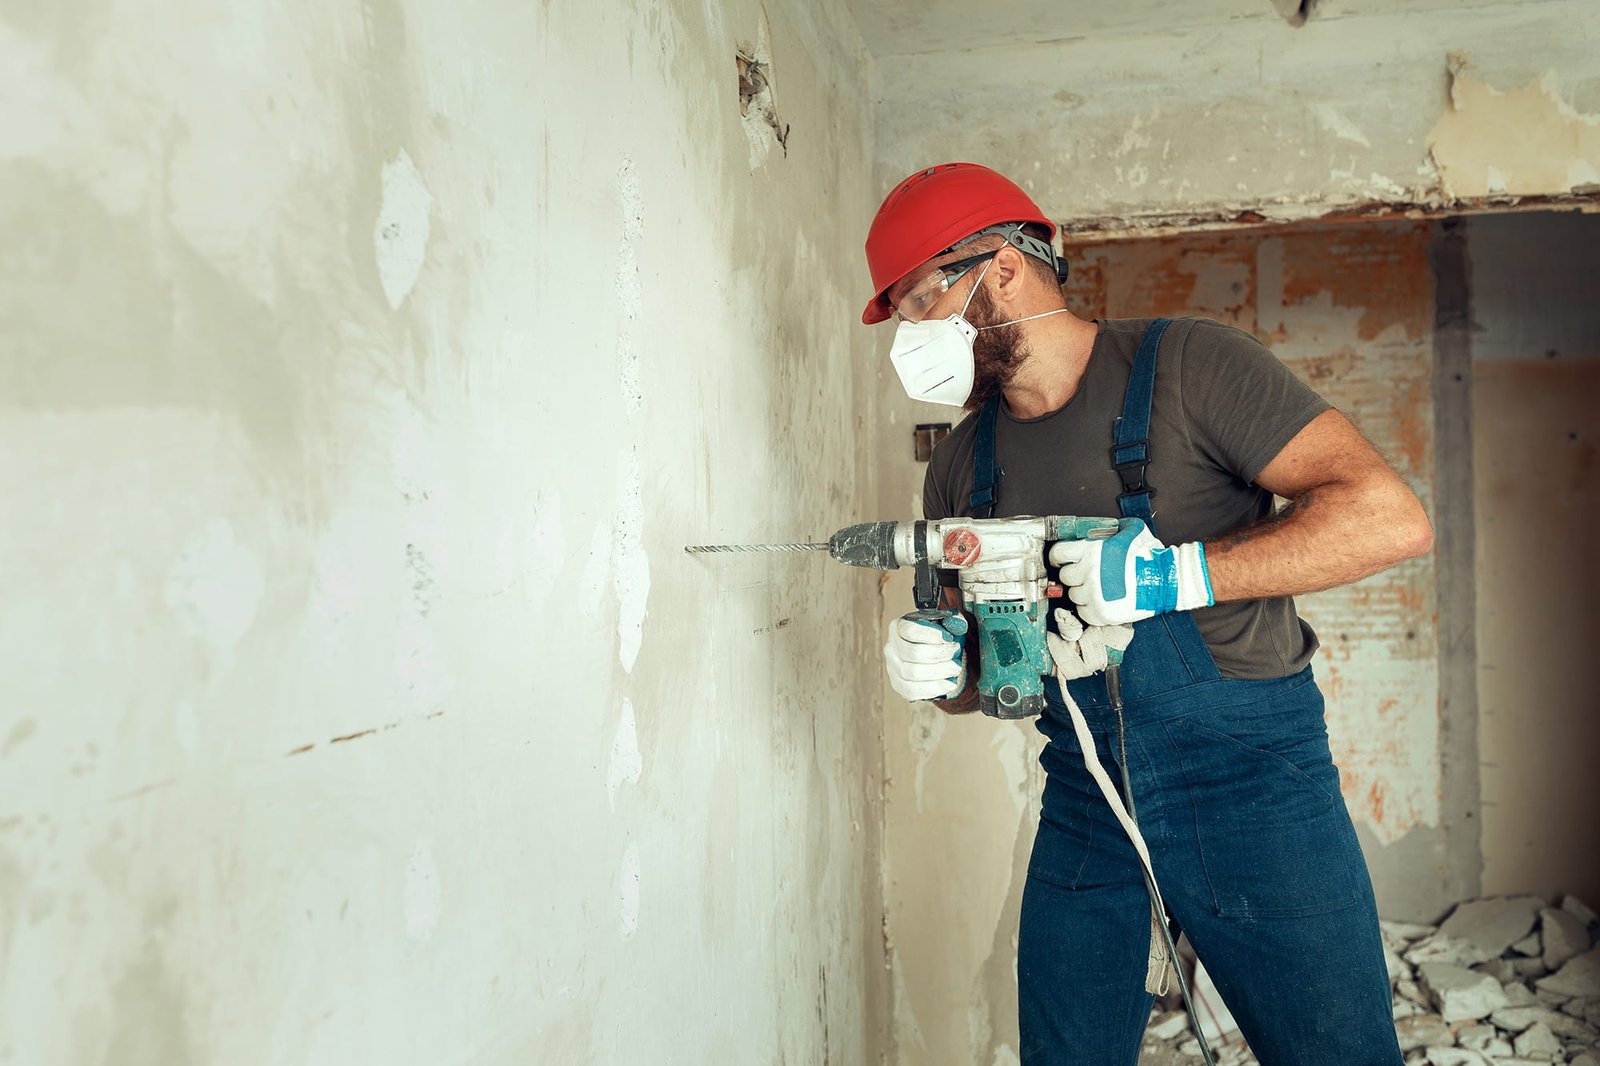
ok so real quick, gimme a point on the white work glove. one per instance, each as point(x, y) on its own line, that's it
point(1131, 575)
point(924, 656)
point(1081, 652)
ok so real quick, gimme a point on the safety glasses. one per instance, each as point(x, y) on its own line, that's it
point(920, 298)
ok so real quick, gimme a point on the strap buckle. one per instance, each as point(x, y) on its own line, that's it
point(1132, 461)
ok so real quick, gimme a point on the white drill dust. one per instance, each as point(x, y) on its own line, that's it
point(626, 762)
point(630, 292)
point(630, 578)
point(628, 892)
point(215, 586)
point(400, 236)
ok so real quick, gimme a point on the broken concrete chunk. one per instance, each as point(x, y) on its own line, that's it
point(1547, 998)
point(1500, 969)
point(1404, 1008)
point(1528, 947)
point(1475, 1037)
point(1587, 1009)
point(1422, 1031)
point(1443, 948)
point(1578, 977)
point(1574, 1030)
point(1515, 1019)
point(1406, 932)
point(1168, 1025)
point(1518, 995)
point(1396, 965)
point(1537, 1042)
point(1417, 1058)
point(1459, 994)
point(1498, 1050)
point(1533, 967)
point(1520, 1019)
point(1564, 937)
point(1455, 1056)
point(1408, 989)
point(1580, 910)
point(1584, 1058)
point(1492, 925)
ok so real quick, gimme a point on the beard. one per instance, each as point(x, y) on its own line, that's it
point(996, 353)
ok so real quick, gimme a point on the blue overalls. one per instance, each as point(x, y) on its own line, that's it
point(1238, 800)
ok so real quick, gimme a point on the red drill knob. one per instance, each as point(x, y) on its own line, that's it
point(962, 547)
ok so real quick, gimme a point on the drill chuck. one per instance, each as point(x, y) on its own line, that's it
point(869, 544)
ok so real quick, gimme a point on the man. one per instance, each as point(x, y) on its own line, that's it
point(1226, 753)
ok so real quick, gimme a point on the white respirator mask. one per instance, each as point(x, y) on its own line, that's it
point(934, 357)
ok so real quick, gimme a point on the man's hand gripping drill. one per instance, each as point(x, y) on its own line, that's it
point(1005, 590)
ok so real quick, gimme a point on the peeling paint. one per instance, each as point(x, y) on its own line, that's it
point(1518, 142)
point(1350, 308)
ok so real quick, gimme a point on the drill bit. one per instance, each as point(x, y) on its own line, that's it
point(703, 549)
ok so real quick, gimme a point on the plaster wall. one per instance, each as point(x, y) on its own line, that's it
point(1536, 387)
point(1351, 309)
point(1148, 115)
point(363, 370)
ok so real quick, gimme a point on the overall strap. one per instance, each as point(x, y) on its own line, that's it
point(985, 475)
point(1130, 449)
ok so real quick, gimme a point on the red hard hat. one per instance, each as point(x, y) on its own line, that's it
point(932, 210)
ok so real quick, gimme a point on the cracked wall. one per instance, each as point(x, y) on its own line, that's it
point(367, 368)
point(1144, 125)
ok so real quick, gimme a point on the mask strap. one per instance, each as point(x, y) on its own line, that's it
point(1030, 318)
point(974, 291)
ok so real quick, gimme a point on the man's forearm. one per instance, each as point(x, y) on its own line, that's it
point(1327, 536)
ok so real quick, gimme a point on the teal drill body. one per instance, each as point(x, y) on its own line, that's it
point(1005, 585)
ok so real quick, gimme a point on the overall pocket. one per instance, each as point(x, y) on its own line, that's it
point(1273, 834)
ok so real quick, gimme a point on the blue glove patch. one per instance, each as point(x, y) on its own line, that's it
point(1114, 558)
point(1156, 582)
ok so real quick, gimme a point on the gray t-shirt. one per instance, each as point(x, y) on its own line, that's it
point(1224, 407)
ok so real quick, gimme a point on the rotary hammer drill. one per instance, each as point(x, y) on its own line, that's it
point(1005, 585)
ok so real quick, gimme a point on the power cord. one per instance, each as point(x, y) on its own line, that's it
point(1114, 694)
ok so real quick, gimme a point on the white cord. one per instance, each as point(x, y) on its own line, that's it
point(1161, 966)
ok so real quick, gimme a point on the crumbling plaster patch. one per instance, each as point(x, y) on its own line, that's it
point(1167, 127)
point(1520, 142)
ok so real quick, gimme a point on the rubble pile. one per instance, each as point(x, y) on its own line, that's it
point(1509, 981)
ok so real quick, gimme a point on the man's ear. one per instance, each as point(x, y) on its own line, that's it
point(1009, 270)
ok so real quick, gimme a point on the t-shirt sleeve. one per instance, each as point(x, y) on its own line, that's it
point(1241, 403)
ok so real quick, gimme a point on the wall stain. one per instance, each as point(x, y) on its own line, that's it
point(22, 731)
